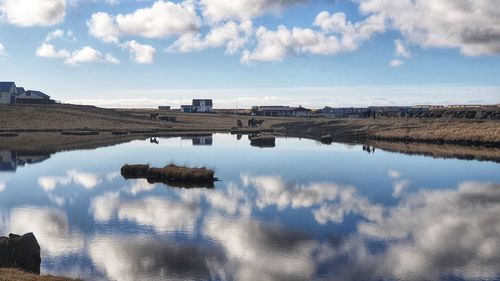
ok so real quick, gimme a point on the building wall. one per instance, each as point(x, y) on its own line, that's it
point(6, 98)
point(25, 96)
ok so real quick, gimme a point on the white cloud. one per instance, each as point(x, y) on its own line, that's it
point(220, 10)
point(3, 54)
point(400, 49)
point(396, 63)
point(161, 20)
point(328, 201)
point(103, 26)
point(87, 180)
point(471, 26)
point(3, 185)
point(58, 33)
point(140, 53)
point(231, 35)
point(111, 59)
point(441, 231)
point(50, 227)
point(85, 54)
point(33, 13)
point(337, 35)
point(47, 50)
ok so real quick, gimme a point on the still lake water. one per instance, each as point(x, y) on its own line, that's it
point(299, 211)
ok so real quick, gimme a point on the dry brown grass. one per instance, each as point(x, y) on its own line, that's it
point(176, 173)
point(420, 130)
point(170, 173)
point(10, 274)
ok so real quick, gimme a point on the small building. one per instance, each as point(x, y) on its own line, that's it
point(203, 105)
point(187, 108)
point(301, 112)
point(32, 96)
point(198, 105)
point(345, 112)
point(164, 107)
point(8, 91)
point(275, 111)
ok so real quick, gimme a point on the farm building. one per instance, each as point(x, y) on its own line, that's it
point(283, 111)
point(8, 91)
point(32, 96)
point(301, 112)
point(345, 112)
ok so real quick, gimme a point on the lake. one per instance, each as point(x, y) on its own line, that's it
point(299, 211)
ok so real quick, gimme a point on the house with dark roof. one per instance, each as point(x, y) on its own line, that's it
point(283, 111)
point(31, 96)
point(8, 91)
point(198, 105)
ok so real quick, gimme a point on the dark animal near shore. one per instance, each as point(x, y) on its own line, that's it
point(21, 252)
point(153, 116)
point(254, 123)
point(327, 139)
point(239, 124)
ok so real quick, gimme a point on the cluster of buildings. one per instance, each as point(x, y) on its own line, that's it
point(11, 94)
point(282, 111)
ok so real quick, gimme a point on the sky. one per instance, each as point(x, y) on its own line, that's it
point(145, 53)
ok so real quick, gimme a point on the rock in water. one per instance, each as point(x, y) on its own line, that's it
point(21, 252)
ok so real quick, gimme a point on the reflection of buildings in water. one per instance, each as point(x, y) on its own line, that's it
point(204, 140)
point(10, 160)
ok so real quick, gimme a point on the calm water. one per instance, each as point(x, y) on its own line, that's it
point(299, 211)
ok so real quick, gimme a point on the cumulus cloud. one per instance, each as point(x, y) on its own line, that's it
point(140, 53)
point(231, 35)
point(161, 214)
point(396, 63)
point(87, 180)
point(220, 10)
point(161, 20)
point(432, 232)
point(328, 201)
point(47, 50)
point(262, 252)
point(337, 35)
point(152, 259)
point(50, 227)
point(27, 13)
point(471, 26)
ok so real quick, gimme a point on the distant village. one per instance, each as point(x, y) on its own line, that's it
point(12, 94)
point(435, 111)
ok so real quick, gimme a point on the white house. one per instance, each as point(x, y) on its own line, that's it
point(8, 91)
point(199, 105)
point(202, 105)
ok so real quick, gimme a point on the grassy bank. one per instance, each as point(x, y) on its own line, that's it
point(437, 131)
point(9, 274)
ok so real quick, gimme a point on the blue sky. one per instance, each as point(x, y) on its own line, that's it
point(314, 53)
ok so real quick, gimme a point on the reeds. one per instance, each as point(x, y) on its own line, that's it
point(171, 174)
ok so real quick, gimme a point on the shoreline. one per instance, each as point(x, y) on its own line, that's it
point(40, 128)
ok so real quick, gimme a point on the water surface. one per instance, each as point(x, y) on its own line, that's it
point(299, 211)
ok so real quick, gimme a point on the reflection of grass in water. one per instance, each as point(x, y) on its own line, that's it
point(173, 175)
point(441, 150)
point(18, 275)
